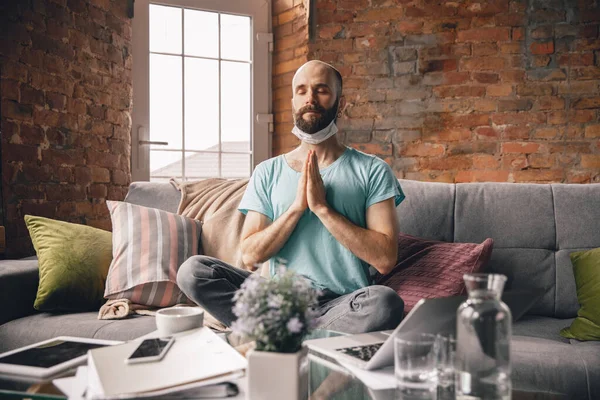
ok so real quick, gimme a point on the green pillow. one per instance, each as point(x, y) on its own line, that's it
point(73, 261)
point(586, 266)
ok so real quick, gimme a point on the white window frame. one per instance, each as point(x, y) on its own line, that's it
point(262, 119)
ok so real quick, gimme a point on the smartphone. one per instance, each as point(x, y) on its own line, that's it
point(150, 350)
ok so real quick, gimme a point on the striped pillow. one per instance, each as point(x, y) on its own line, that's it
point(149, 245)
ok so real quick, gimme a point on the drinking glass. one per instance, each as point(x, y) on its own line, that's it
point(445, 354)
point(415, 366)
point(445, 350)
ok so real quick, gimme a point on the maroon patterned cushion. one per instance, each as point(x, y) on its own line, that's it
point(428, 269)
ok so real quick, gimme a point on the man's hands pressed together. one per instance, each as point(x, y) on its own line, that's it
point(300, 203)
point(311, 190)
point(315, 189)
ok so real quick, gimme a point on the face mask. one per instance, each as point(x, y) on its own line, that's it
point(316, 137)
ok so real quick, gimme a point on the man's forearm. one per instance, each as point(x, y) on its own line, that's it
point(372, 247)
point(260, 246)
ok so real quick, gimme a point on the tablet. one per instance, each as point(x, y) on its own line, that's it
point(47, 358)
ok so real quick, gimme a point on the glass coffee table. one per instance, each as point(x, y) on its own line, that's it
point(15, 388)
point(327, 380)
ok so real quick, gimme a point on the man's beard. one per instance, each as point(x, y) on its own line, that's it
point(319, 121)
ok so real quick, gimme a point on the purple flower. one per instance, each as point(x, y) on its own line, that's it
point(275, 301)
point(240, 309)
point(294, 325)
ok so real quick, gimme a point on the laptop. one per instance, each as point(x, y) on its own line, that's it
point(437, 316)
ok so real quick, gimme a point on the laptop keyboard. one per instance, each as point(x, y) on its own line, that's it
point(364, 353)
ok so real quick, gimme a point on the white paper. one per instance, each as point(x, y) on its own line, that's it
point(379, 379)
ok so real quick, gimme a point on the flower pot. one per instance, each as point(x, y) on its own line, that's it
point(277, 376)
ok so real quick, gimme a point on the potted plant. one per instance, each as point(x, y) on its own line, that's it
point(276, 314)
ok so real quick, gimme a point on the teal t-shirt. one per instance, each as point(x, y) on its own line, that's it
point(353, 183)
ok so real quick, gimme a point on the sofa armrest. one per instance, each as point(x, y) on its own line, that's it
point(18, 287)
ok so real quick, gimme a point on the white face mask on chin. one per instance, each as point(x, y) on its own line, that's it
point(316, 137)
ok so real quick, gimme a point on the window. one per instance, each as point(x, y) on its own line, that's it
point(201, 89)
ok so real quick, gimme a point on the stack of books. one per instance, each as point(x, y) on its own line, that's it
point(197, 359)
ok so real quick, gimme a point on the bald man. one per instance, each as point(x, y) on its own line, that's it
point(326, 209)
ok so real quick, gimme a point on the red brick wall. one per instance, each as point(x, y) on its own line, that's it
point(290, 51)
point(461, 91)
point(65, 107)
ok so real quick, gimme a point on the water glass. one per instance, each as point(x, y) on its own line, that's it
point(445, 358)
point(445, 350)
point(415, 366)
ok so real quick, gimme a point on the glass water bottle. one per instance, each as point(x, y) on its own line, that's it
point(483, 333)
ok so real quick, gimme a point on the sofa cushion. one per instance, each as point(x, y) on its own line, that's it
point(527, 269)
point(593, 345)
point(428, 210)
point(149, 246)
point(520, 219)
point(571, 370)
point(541, 327)
point(566, 290)
point(161, 195)
point(42, 326)
point(18, 287)
point(577, 215)
point(515, 216)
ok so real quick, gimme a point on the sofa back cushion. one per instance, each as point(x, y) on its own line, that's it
point(577, 216)
point(161, 195)
point(534, 228)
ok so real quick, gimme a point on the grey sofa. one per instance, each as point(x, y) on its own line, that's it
point(534, 227)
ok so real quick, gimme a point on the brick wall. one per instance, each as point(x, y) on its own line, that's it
point(290, 51)
point(459, 91)
point(65, 106)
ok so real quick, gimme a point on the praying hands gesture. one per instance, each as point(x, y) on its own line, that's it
point(311, 190)
point(315, 189)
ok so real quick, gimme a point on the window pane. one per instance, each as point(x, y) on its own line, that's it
point(165, 100)
point(201, 33)
point(235, 165)
point(235, 106)
point(165, 164)
point(235, 37)
point(201, 104)
point(165, 29)
point(201, 165)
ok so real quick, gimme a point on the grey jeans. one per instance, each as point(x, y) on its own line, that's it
point(211, 283)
